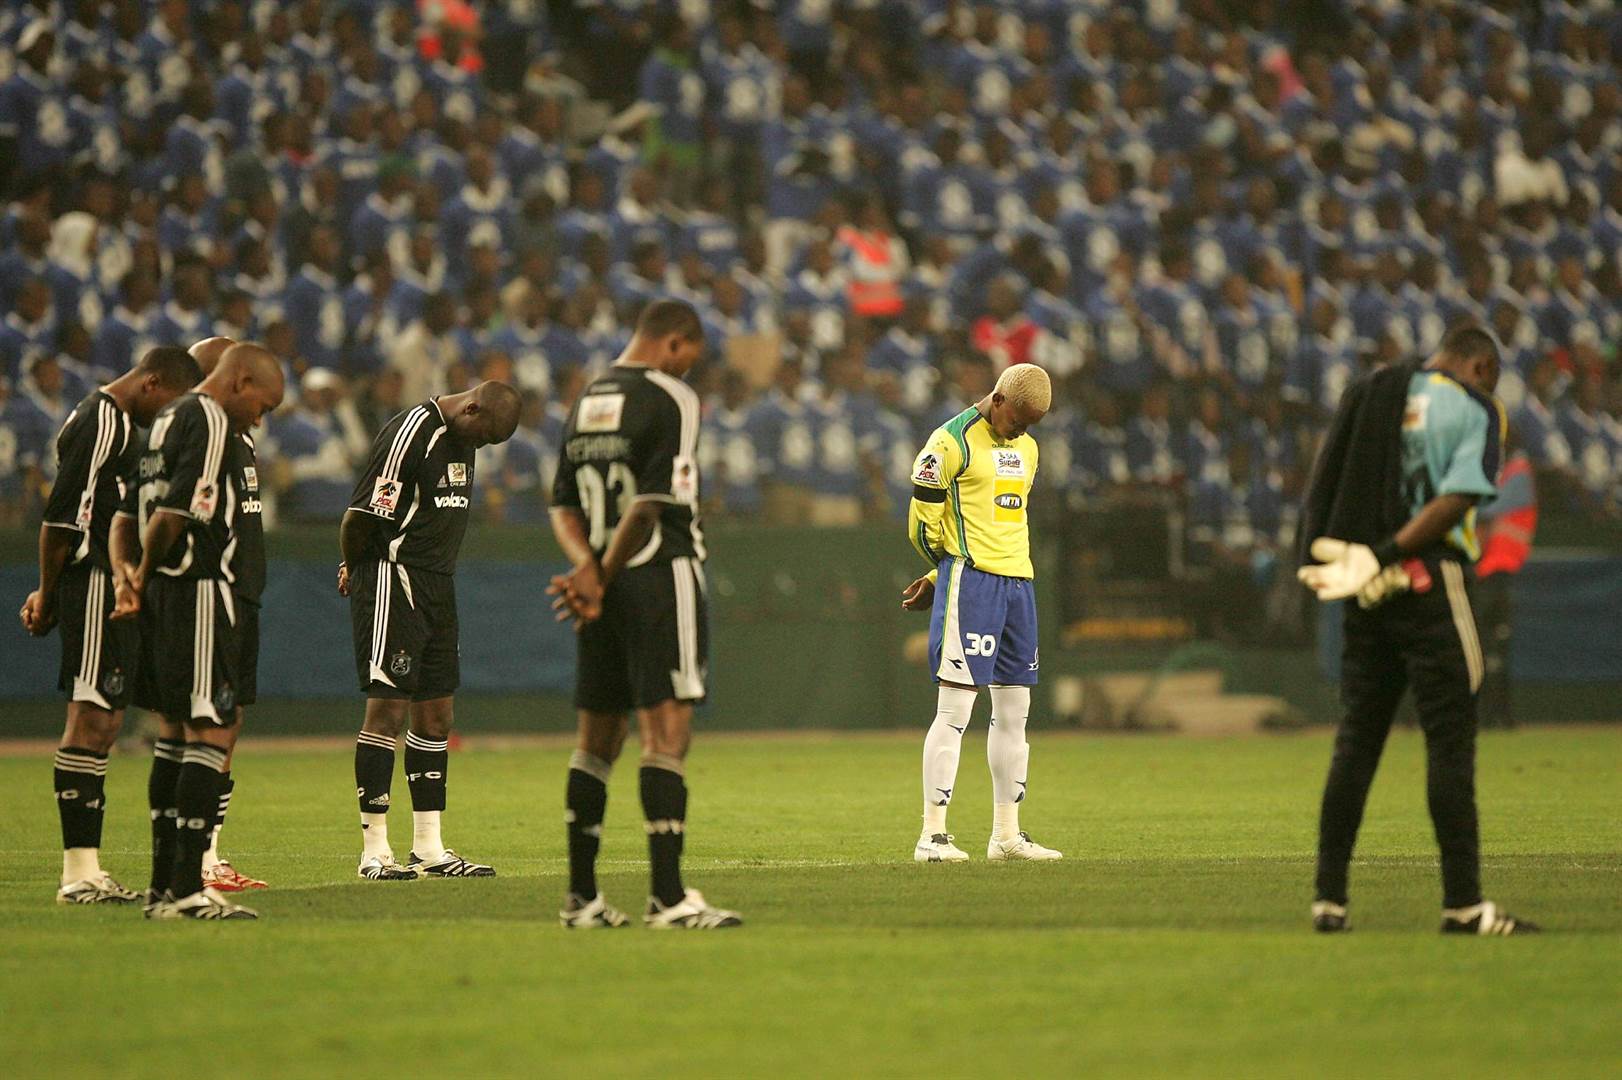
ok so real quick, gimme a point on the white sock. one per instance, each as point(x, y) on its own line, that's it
point(425, 841)
point(942, 746)
point(80, 864)
point(211, 857)
point(1008, 754)
point(374, 836)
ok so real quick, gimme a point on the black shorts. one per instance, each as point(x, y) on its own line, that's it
point(405, 632)
point(200, 643)
point(100, 657)
point(652, 642)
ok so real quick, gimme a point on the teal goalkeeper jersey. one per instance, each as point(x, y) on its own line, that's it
point(1452, 444)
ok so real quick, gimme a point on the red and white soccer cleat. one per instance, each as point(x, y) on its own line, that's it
point(222, 876)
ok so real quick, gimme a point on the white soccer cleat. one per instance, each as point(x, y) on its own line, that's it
point(938, 847)
point(1020, 849)
point(692, 913)
point(592, 914)
point(384, 868)
point(101, 889)
point(204, 904)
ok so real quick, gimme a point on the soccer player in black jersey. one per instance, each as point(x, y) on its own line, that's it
point(203, 642)
point(96, 452)
point(399, 540)
point(248, 579)
point(625, 512)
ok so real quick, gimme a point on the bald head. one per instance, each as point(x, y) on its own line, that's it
point(207, 352)
point(484, 415)
point(247, 381)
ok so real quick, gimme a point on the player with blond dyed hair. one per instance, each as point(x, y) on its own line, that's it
point(970, 487)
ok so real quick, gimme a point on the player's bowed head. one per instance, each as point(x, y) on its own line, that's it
point(162, 374)
point(484, 415)
point(247, 382)
point(1022, 396)
point(669, 338)
point(208, 352)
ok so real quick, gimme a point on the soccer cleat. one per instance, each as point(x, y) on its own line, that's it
point(448, 865)
point(1329, 918)
point(1485, 919)
point(693, 912)
point(578, 914)
point(378, 868)
point(224, 877)
point(101, 889)
point(151, 901)
point(1020, 849)
point(938, 848)
point(203, 904)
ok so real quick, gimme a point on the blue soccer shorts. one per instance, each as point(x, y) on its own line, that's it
point(982, 629)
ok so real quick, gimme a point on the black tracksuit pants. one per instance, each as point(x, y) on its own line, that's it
point(1425, 640)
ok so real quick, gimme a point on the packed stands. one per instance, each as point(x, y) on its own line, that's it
point(1203, 218)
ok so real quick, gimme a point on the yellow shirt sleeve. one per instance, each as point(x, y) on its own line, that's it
point(932, 472)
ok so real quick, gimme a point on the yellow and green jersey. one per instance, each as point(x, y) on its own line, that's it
point(969, 496)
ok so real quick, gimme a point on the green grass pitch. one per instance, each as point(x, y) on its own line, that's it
point(1172, 940)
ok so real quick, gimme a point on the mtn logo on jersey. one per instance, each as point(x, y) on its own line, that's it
point(1009, 500)
point(456, 473)
point(450, 502)
point(1009, 463)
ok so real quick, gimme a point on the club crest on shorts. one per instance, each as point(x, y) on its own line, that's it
point(400, 663)
point(456, 473)
point(225, 699)
point(113, 683)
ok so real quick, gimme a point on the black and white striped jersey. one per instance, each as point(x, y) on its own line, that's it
point(186, 470)
point(93, 462)
point(634, 435)
point(419, 482)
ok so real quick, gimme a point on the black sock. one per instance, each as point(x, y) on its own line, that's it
point(664, 805)
point(80, 775)
point(197, 799)
point(425, 764)
point(160, 798)
point(586, 798)
point(227, 785)
point(374, 772)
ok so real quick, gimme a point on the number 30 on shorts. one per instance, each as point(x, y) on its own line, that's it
point(979, 644)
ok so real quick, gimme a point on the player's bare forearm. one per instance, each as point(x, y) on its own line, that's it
point(569, 527)
point(355, 536)
point(161, 533)
point(1434, 521)
point(124, 543)
point(55, 545)
point(629, 536)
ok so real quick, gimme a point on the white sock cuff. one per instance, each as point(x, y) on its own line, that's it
point(204, 754)
point(81, 761)
point(591, 765)
point(372, 738)
point(432, 746)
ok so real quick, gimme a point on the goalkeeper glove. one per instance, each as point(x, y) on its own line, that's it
point(1343, 569)
point(1385, 585)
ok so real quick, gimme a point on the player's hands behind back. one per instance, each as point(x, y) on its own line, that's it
point(577, 595)
point(919, 596)
point(127, 589)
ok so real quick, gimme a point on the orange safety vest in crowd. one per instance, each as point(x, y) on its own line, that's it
point(1506, 536)
point(875, 272)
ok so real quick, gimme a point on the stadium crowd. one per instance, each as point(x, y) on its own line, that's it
point(1203, 218)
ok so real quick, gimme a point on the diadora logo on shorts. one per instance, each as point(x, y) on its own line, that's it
point(457, 502)
point(1009, 463)
point(456, 473)
point(1009, 501)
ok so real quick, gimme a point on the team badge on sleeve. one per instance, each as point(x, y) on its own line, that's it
point(684, 480)
point(204, 498)
point(385, 496)
point(927, 469)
